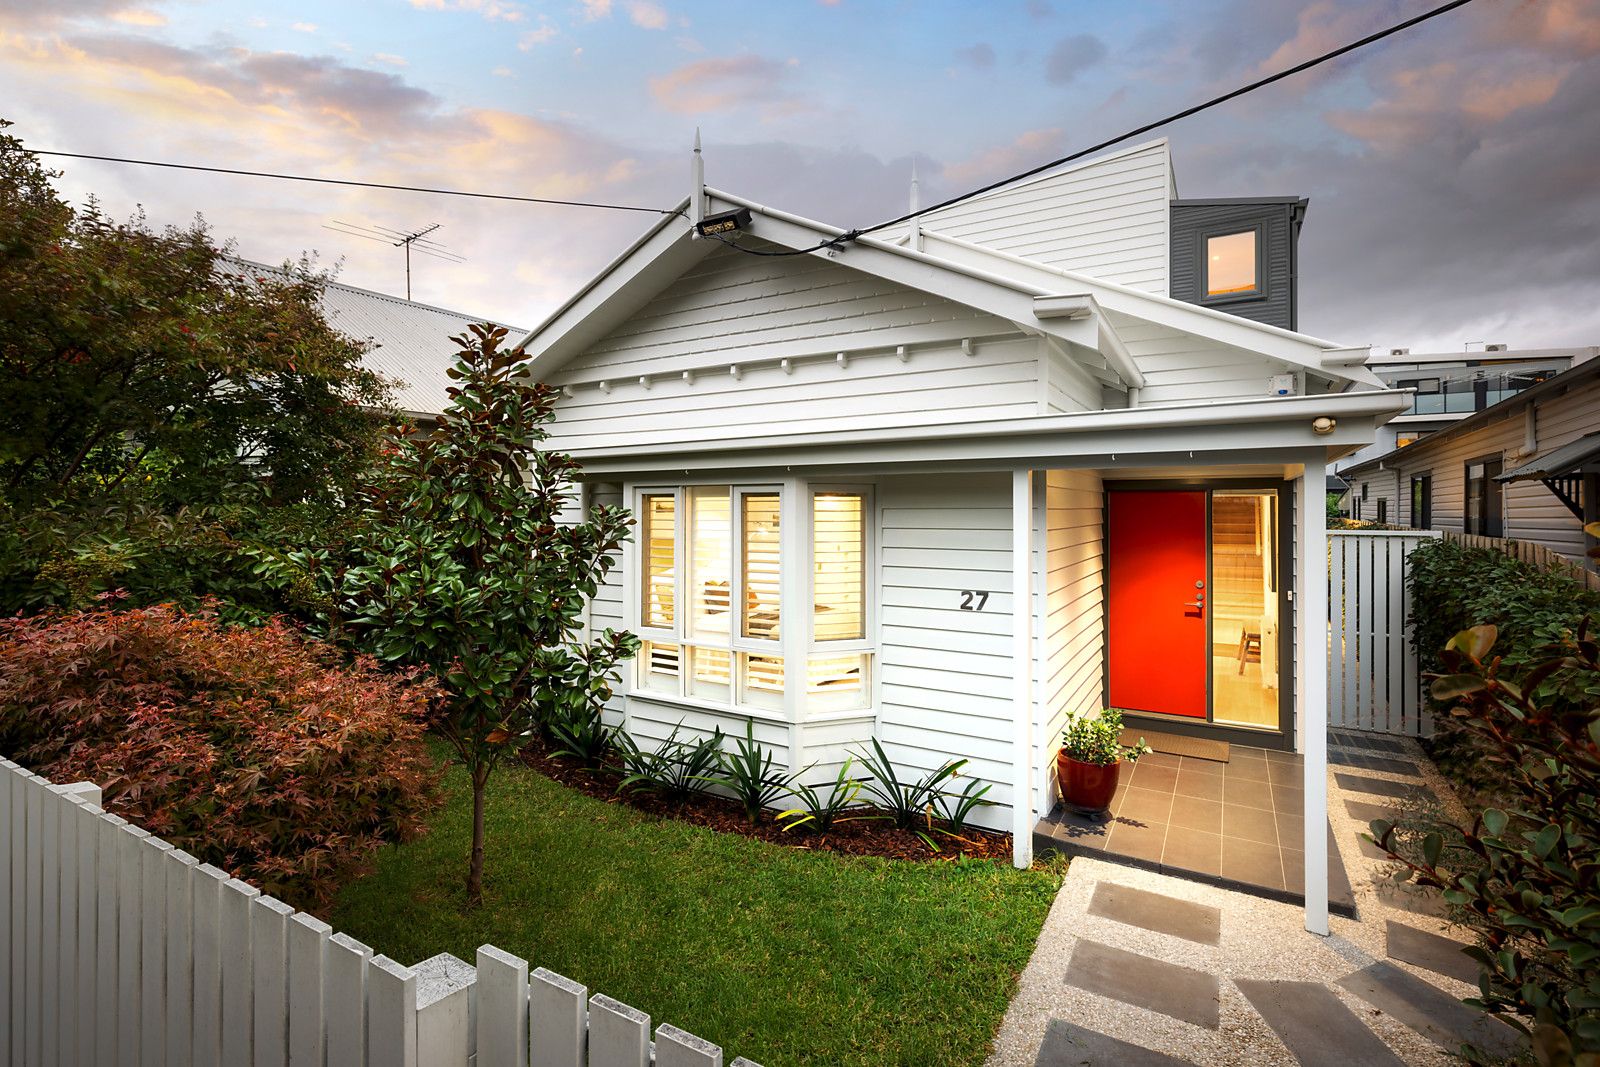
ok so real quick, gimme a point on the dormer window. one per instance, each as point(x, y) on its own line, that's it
point(1232, 264)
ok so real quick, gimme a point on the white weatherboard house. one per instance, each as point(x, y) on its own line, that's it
point(948, 488)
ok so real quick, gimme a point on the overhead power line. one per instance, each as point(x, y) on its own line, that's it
point(849, 235)
point(1289, 72)
point(360, 184)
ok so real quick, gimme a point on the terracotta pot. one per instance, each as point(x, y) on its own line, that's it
point(1087, 787)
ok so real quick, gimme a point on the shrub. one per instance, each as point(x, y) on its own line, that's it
point(956, 808)
point(820, 812)
point(1454, 588)
point(905, 803)
point(676, 770)
point(752, 775)
point(1528, 875)
point(1097, 739)
point(257, 750)
point(581, 733)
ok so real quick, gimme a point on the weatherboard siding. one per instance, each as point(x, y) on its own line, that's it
point(1532, 512)
point(1192, 223)
point(1181, 368)
point(1107, 219)
point(605, 610)
point(704, 358)
point(945, 675)
point(1072, 634)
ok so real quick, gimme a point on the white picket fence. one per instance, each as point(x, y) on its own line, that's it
point(119, 950)
point(1374, 680)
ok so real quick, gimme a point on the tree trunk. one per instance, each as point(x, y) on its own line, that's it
point(480, 780)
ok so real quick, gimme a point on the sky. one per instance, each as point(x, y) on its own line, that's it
point(1453, 171)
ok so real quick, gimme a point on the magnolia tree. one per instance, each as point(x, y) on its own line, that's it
point(460, 565)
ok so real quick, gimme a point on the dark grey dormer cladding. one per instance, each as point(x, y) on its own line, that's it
point(1275, 221)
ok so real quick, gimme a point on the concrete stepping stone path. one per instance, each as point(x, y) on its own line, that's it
point(1155, 911)
point(1436, 1015)
point(1432, 952)
point(1066, 1045)
point(1167, 988)
point(1315, 1026)
point(1383, 787)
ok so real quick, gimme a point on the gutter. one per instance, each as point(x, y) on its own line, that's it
point(1166, 416)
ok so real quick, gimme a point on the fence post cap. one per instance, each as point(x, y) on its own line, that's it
point(439, 977)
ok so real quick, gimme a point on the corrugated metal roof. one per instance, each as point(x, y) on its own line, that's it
point(1558, 461)
point(413, 345)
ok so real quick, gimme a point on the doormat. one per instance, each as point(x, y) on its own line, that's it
point(1178, 745)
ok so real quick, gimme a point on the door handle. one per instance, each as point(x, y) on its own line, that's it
point(1198, 604)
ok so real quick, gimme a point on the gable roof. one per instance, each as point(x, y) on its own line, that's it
point(995, 282)
point(411, 340)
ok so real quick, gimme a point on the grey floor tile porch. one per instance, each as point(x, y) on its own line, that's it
point(1238, 824)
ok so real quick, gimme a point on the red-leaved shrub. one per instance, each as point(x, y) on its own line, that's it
point(261, 751)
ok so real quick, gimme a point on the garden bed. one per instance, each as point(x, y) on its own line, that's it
point(869, 835)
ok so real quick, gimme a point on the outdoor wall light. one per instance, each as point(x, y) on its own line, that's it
point(724, 222)
point(1323, 426)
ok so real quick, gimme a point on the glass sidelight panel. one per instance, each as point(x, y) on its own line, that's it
point(1244, 608)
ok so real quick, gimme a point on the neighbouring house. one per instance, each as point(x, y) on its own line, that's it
point(410, 341)
point(1450, 386)
point(1525, 468)
point(1044, 451)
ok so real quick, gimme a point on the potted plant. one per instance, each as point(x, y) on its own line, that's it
point(1091, 758)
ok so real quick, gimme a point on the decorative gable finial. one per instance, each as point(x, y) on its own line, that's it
point(697, 182)
point(915, 233)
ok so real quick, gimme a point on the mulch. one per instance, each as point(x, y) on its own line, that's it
point(858, 838)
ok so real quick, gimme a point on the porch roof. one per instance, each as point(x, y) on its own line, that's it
point(1241, 431)
point(1570, 457)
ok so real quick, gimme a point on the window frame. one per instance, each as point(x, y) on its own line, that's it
point(797, 498)
point(1493, 493)
point(1203, 252)
point(1422, 492)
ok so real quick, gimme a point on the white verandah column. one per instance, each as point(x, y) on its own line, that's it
point(1311, 629)
point(1022, 668)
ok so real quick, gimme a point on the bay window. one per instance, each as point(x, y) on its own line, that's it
point(718, 551)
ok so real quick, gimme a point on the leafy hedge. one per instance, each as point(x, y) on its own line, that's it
point(1525, 874)
point(259, 750)
point(1455, 588)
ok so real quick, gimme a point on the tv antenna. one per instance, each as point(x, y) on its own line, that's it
point(406, 239)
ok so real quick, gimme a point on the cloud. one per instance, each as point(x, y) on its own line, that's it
point(138, 16)
point(1071, 56)
point(1029, 149)
point(304, 27)
point(320, 115)
point(45, 12)
point(650, 16)
point(502, 72)
point(490, 10)
point(979, 56)
point(1450, 172)
point(596, 9)
point(535, 37)
point(391, 60)
point(1040, 9)
point(711, 85)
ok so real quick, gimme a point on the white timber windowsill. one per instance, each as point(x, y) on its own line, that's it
point(759, 714)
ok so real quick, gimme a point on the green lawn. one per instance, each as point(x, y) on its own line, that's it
point(781, 955)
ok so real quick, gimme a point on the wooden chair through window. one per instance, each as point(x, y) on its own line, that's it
point(1249, 646)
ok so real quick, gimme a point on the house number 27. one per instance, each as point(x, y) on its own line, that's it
point(973, 599)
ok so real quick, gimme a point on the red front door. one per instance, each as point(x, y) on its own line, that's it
point(1156, 635)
